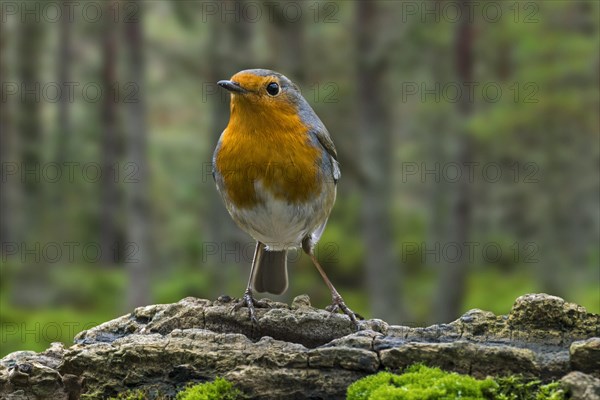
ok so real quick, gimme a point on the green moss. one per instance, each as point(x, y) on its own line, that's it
point(419, 382)
point(517, 388)
point(219, 389)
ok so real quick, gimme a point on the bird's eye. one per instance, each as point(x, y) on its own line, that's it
point(273, 89)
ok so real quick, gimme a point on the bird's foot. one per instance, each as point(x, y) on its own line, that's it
point(248, 301)
point(338, 304)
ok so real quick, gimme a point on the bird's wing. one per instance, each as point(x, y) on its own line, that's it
point(325, 140)
point(214, 159)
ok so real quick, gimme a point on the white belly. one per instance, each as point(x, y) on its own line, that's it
point(282, 225)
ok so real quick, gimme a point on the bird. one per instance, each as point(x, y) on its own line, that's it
point(276, 169)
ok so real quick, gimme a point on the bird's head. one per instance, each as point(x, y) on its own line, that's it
point(264, 92)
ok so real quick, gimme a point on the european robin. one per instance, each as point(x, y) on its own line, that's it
point(276, 169)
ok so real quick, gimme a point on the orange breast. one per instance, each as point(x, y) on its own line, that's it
point(272, 148)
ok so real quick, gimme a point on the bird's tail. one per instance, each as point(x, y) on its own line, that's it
point(270, 272)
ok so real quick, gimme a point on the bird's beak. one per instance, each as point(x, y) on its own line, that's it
point(232, 86)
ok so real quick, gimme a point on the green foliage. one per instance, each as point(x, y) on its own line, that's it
point(179, 282)
point(495, 289)
point(74, 300)
point(419, 382)
point(130, 395)
point(219, 389)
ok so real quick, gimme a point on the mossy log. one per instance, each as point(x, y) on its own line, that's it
point(299, 352)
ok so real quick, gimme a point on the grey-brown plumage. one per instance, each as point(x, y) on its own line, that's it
point(270, 273)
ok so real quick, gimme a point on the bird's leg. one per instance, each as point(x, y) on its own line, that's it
point(337, 301)
point(247, 300)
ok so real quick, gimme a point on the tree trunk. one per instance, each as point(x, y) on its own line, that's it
point(64, 72)
point(286, 41)
point(63, 135)
point(110, 146)
point(7, 188)
point(382, 266)
point(137, 251)
point(29, 124)
point(453, 273)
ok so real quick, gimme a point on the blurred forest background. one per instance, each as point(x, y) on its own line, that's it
point(467, 132)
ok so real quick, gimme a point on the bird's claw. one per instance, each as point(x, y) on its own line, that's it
point(248, 301)
point(337, 305)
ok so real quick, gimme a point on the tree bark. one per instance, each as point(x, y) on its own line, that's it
point(288, 358)
point(29, 124)
point(138, 256)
